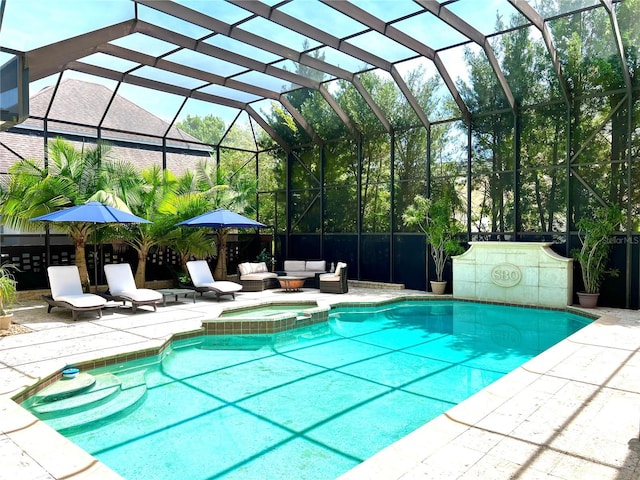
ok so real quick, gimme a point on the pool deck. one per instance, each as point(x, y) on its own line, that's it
point(571, 413)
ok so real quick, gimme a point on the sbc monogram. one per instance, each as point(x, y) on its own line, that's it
point(506, 275)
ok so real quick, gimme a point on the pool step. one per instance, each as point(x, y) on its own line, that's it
point(111, 396)
point(99, 392)
point(65, 387)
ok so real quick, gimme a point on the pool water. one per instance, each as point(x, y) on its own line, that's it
point(314, 402)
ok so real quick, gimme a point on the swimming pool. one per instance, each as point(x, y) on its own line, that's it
point(313, 402)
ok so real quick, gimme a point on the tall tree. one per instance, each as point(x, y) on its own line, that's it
point(72, 177)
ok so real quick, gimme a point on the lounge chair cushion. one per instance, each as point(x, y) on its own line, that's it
point(83, 300)
point(64, 280)
point(222, 285)
point(66, 287)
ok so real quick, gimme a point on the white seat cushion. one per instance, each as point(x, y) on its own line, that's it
point(64, 280)
point(200, 273)
point(83, 300)
point(222, 286)
point(330, 278)
point(258, 276)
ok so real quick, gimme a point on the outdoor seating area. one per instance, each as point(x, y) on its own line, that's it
point(66, 289)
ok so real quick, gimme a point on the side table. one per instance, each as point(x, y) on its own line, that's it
point(175, 292)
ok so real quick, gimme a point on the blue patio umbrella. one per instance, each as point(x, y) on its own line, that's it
point(91, 212)
point(222, 218)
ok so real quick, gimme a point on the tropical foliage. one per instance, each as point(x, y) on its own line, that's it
point(595, 233)
point(436, 218)
point(8, 287)
point(71, 177)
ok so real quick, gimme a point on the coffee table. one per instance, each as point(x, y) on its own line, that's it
point(291, 284)
point(175, 292)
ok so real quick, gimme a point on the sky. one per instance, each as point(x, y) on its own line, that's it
point(55, 20)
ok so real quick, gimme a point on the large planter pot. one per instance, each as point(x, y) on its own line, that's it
point(588, 300)
point(5, 321)
point(438, 287)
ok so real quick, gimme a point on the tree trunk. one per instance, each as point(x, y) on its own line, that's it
point(81, 262)
point(142, 267)
point(220, 272)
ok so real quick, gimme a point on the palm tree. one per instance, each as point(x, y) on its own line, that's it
point(224, 190)
point(71, 178)
point(143, 191)
point(186, 242)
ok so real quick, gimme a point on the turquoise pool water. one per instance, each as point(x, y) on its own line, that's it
point(310, 403)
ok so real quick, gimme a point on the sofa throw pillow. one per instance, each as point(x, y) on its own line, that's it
point(244, 268)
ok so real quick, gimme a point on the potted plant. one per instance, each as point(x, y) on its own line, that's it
point(266, 257)
point(594, 233)
point(435, 218)
point(8, 293)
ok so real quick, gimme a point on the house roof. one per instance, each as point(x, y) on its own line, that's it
point(77, 112)
point(81, 107)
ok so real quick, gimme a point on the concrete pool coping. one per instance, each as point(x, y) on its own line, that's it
point(569, 413)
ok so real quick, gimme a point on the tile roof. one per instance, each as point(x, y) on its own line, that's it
point(83, 105)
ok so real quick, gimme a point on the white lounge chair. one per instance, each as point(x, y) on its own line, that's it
point(66, 292)
point(203, 281)
point(122, 286)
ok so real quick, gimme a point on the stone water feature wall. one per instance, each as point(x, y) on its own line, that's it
point(527, 273)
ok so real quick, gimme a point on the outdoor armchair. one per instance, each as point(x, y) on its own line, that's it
point(335, 282)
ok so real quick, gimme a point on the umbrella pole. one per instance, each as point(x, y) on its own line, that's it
point(95, 259)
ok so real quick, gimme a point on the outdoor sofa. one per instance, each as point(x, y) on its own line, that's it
point(256, 277)
point(310, 270)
